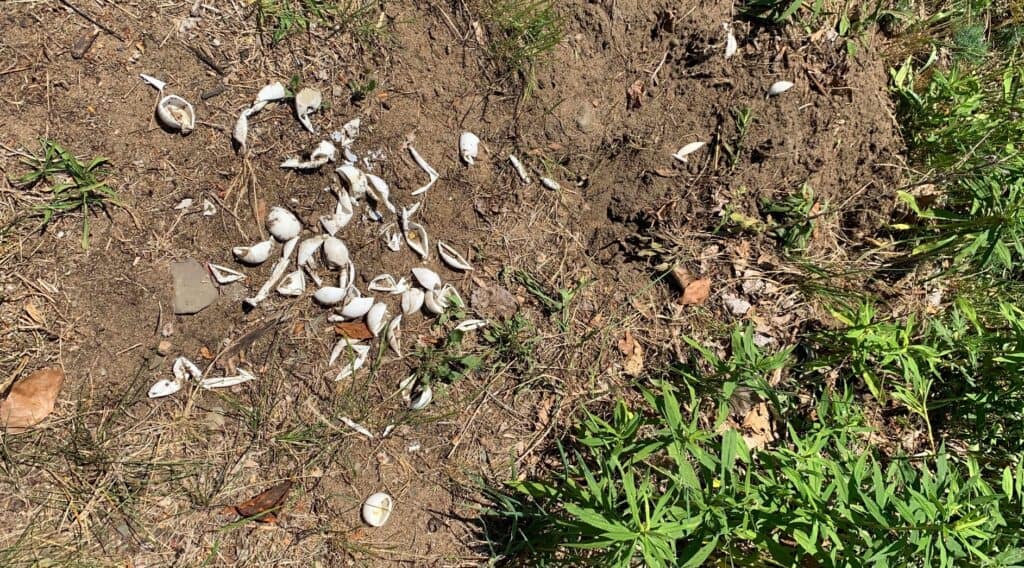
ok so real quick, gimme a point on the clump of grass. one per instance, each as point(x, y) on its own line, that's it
point(282, 18)
point(555, 302)
point(522, 34)
point(75, 186)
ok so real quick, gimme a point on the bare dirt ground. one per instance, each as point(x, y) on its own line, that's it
point(113, 477)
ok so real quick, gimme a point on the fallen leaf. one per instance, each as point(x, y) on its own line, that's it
point(353, 330)
point(696, 292)
point(757, 426)
point(633, 354)
point(544, 412)
point(205, 352)
point(31, 400)
point(681, 277)
point(33, 312)
point(259, 507)
point(635, 94)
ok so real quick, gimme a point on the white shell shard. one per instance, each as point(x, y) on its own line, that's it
point(416, 238)
point(293, 284)
point(392, 238)
point(275, 276)
point(412, 301)
point(520, 169)
point(416, 394)
point(307, 250)
point(153, 81)
point(470, 325)
point(224, 275)
point(394, 334)
point(469, 145)
point(779, 87)
point(730, 42)
point(323, 153)
point(427, 278)
point(342, 344)
point(377, 508)
point(184, 369)
point(343, 213)
point(240, 133)
point(289, 247)
point(347, 279)
point(550, 184)
point(685, 151)
point(434, 302)
point(426, 168)
point(348, 133)
point(376, 318)
point(452, 258)
point(386, 283)
point(353, 361)
point(355, 180)
point(380, 192)
point(329, 295)
point(283, 224)
point(164, 387)
point(357, 307)
point(243, 376)
point(209, 209)
point(184, 204)
point(307, 101)
point(272, 92)
point(335, 252)
point(255, 254)
point(176, 113)
point(356, 426)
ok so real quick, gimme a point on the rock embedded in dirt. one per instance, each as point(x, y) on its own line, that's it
point(494, 302)
point(193, 287)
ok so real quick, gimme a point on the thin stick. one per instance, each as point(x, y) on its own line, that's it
point(92, 20)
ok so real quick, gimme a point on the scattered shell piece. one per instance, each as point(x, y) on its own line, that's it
point(376, 318)
point(779, 87)
point(470, 325)
point(176, 113)
point(224, 275)
point(394, 334)
point(289, 247)
point(427, 278)
point(377, 508)
point(269, 93)
point(243, 376)
point(392, 238)
point(452, 258)
point(183, 204)
point(412, 301)
point(329, 295)
point(738, 306)
point(685, 151)
point(469, 145)
point(520, 169)
point(275, 276)
point(357, 359)
point(355, 425)
point(164, 387)
point(335, 252)
point(380, 192)
point(307, 101)
point(342, 344)
point(293, 284)
point(307, 250)
point(240, 133)
point(357, 307)
point(323, 153)
point(184, 369)
point(426, 168)
point(209, 209)
point(355, 180)
point(348, 133)
point(550, 184)
point(283, 224)
point(153, 81)
point(416, 238)
point(343, 213)
point(386, 283)
point(416, 394)
point(730, 41)
point(255, 254)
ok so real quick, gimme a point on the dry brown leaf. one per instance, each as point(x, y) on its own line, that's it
point(31, 400)
point(666, 173)
point(33, 312)
point(757, 426)
point(635, 95)
point(205, 352)
point(544, 412)
point(633, 354)
point(696, 292)
point(259, 507)
point(353, 330)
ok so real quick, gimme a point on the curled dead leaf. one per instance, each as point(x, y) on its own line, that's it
point(635, 95)
point(633, 355)
point(260, 508)
point(31, 400)
point(757, 427)
point(696, 292)
point(353, 330)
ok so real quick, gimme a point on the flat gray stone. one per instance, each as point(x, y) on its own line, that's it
point(193, 287)
point(494, 302)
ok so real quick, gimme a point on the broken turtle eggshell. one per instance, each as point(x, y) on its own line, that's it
point(355, 180)
point(550, 184)
point(412, 301)
point(452, 258)
point(255, 254)
point(426, 277)
point(293, 284)
point(329, 295)
point(394, 334)
point(176, 113)
point(357, 307)
point(224, 275)
point(164, 387)
point(779, 87)
point(240, 133)
point(469, 145)
point(380, 192)
point(685, 151)
point(470, 325)
point(354, 361)
point(307, 250)
point(335, 252)
point(730, 41)
point(416, 238)
point(416, 394)
point(376, 318)
point(272, 92)
point(307, 101)
point(377, 509)
point(283, 224)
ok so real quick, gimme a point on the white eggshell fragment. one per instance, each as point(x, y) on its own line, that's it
point(412, 301)
point(520, 169)
point(357, 307)
point(224, 275)
point(431, 172)
point(354, 360)
point(307, 101)
point(730, 42)
point(685, 151)
point(255, 254)
point(335, 252)
point(550, 184)
point(377, 509)
point(176, 113)
point(376, 318)
point(283, 224)
point(307, 250)
point(272, 92)
point(470, 325)
point(426, 277)
point(417, 239)
point(779, 87)
point(452, 258)
point(394, 334)
point(243, 376)
point(293, 284)
point(329, 295)
point(164, 387)
point(469, 145)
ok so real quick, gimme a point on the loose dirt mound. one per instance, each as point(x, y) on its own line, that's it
point(117, 475)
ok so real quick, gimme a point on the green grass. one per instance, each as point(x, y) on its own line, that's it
point(522, 33)
point(74, 186)
point(283, 18)
point(557, 302)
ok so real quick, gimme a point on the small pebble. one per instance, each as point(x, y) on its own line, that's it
point(164, 347)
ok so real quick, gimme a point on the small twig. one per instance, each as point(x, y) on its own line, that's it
point(92, 20)
point(205, 58)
